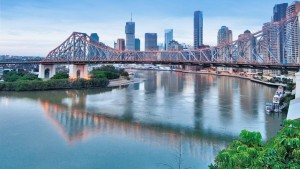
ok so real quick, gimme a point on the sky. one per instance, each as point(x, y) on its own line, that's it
point(35, 27)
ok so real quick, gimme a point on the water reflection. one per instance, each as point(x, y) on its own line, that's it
point(201, 112)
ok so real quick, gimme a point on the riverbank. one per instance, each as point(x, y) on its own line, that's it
point(235, 76)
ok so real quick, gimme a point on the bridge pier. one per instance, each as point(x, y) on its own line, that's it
point(297, 77)
point(46, 71)
point(78, 71)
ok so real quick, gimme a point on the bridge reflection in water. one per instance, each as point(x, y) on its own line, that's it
point(203, 113)
point(76, 125)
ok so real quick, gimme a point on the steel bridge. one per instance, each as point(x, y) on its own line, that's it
point(269, 48)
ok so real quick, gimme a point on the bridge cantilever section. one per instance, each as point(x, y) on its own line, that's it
point(253, 51)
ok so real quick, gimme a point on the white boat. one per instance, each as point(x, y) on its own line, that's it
point(276, 99)
point(279, 91)
point(269, 107)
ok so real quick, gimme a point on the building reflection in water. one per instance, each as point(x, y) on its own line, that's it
point(77, 125)
point(203, 112)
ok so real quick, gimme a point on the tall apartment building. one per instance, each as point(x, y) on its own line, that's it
point(224, 35)
point(137, 44)
point(151, 41)
point(168, 37)
point(198, 29)
point(292, 35)
point(279, 13)
point(121, 44)
point(130, 35)
point(270, 47)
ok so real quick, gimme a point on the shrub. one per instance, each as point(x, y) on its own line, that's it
point(60, 76)
point(283, 151)
point(52, 84)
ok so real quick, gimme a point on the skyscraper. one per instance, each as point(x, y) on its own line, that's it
point(279, 11)
point(224, 35)
point(168, 37)
point(198, 29)
point(130, 35)
point(121, 44)
point(270, 47)
point(292, 35)
point(137, 44)
point(94, 38)
point(151, 41)
point(247, 50)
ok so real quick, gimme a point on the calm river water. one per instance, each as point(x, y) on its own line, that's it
point(144, 125)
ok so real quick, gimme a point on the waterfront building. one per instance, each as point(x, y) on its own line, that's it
point(121, 44)
point(137, 44)
point(130, 35)
point(174, 46)
point(168, 37)
point(292, 35)
point(151, 41)
point(198, 29)
point(224, 35)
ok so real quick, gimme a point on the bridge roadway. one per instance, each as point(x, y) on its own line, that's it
point(248, 65)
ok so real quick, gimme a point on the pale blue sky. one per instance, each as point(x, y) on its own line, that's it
point(34, 27)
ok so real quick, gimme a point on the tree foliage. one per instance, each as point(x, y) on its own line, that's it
point(52, 84)
point(60, 76)
point(283, 151)
point(14, 76)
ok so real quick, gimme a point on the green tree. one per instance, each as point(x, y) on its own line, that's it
point(283, 151)
point(60, 76)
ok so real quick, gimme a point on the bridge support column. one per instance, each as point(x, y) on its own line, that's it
point(78, 71)
point(46, 71)
point(297, 84)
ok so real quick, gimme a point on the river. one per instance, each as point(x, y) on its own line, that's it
point(143, 125)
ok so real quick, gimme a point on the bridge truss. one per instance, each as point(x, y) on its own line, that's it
point(267, 48)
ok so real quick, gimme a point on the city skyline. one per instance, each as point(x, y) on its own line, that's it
point(27, 32)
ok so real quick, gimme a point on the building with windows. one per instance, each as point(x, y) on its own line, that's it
point(121, 44)
point(94, 38)
point(168, 37)
point(130, 35)
point(292, 35)
point(247, 50)
point(224, 35)
point(198, 29)
point(150, 41)
point(174, 46)
point(279, 12)
point(137, 44)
